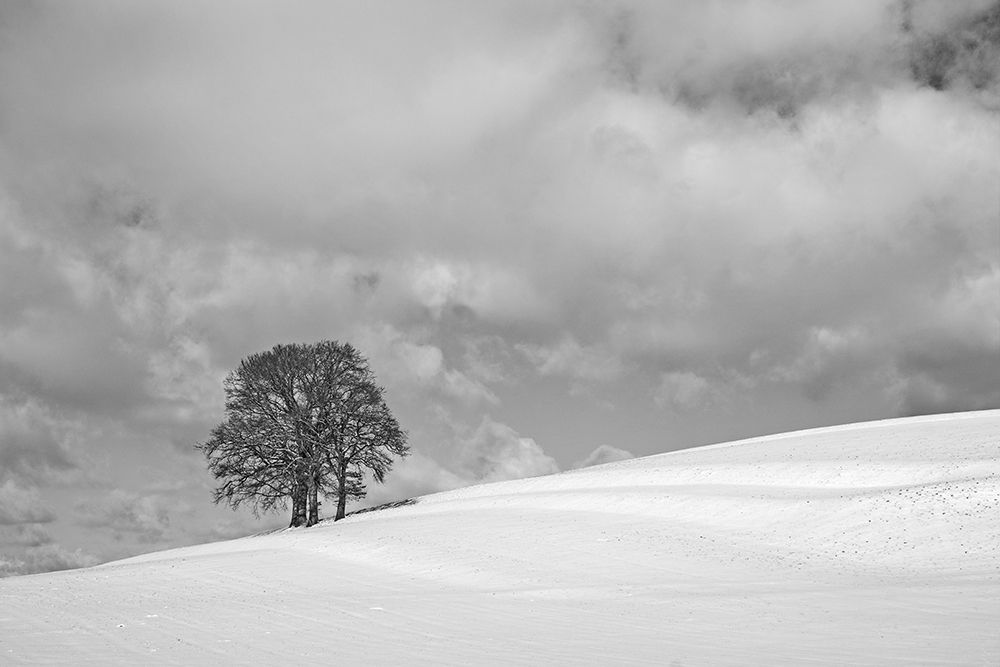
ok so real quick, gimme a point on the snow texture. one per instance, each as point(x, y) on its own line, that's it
point(869, 544)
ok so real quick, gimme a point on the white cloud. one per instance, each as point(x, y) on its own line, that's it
point(568, 358)
point(406, 363)
point(496, 452)
point(415, 475)
point(683, 391)
point(434, 286)
point(20, 505)
point(45, 558)
point(492, 292)
point(604, 454)
point(826, 357)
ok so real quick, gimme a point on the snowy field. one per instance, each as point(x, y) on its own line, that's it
point(869, 544)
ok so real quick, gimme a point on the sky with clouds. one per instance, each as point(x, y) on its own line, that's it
point(564, 233)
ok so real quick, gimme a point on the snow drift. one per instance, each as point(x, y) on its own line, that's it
point(873, 543)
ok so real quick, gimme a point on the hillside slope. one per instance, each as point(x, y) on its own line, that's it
point(870, 544)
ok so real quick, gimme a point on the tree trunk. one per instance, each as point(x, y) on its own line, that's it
point(341, 495)
point(313, 501)
point(299, 497)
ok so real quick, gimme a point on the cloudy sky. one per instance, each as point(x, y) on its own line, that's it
point(563, 233)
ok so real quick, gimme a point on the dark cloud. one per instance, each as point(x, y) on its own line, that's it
point(32, 443)
point(126, 515)
point(949, 375)
point(962, 50)
point(772, 58)
point(24, 535)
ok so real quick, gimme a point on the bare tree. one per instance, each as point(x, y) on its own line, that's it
point(364, 436)
point(302, 421)
point(255, 451)
point(241, 452)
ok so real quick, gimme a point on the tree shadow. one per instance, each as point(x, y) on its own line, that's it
point(385, 506)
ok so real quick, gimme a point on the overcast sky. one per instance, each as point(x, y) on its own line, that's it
point(563, 233)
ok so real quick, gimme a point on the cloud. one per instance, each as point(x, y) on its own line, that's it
point(683, 390)
point(416, 475)
point(568, 358)
point(955, 44)
point(24, 535)
point(407, 363)
point(21, 505)
point(952, 363)
point(32, 442)
point(496, 452)
point(774, 58)
point(947, 375)
point(823, 358)
point(127, 515)
point(45, 558)
point(604, 454)
point(491, 292)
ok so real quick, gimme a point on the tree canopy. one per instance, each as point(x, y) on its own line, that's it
point(302, 421)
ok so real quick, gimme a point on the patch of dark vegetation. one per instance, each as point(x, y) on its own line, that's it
point(385, 506)
point(377, 508)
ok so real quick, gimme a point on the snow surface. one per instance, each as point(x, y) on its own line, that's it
point(869, 544)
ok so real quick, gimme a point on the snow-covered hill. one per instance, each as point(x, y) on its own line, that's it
point(872, 544)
